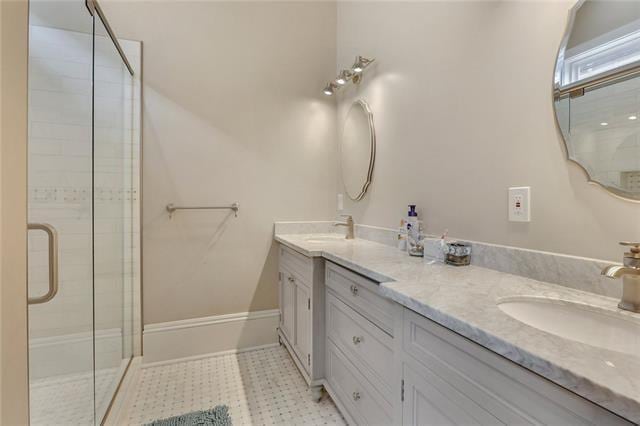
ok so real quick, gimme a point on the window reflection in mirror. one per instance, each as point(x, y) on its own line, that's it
point(597, 95)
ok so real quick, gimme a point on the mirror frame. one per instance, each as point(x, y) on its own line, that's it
point(360, 103)
point(557, 74)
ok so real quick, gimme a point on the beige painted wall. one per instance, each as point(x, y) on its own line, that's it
point(13, 212)
point(232, 111)
point(461, 94)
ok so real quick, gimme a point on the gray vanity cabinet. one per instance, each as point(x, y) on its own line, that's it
point(384, 364)
point(301, 284)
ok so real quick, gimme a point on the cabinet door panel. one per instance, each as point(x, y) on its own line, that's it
point(302, 342)
point(287, 306)
point(431, 401)
point(509, 392)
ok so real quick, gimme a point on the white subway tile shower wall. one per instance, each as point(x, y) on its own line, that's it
point(60, 193)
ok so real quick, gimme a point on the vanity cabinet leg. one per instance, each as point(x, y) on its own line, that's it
point(316, 393)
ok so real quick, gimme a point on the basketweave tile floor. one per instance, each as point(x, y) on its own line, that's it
point(261, 387)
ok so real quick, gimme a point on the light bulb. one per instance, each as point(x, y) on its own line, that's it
point(329, 89)
point(343, 77)
point(360, 64)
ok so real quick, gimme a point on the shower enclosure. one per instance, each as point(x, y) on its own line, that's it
point(83, 175)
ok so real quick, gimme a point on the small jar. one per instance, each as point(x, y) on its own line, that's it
point(458, 253)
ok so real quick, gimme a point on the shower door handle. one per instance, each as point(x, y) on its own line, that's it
point(52, 236)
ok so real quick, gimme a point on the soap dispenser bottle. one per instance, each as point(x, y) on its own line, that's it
point(412, 222)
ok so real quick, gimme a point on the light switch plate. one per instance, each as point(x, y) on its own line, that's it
point(520, 204)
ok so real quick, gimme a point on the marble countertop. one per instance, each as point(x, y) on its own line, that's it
point(464, 299)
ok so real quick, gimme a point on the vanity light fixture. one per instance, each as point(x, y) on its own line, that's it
point(354, 75)
point(633, 117)
point(604, 123)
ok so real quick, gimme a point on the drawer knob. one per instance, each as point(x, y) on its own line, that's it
point(356, 396)
point(354, 290)
point(357, 340)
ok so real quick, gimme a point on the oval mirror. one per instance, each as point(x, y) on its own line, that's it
point(357, 150)
point(597, 93)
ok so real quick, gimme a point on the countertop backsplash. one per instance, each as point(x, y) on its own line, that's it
point(569, 271)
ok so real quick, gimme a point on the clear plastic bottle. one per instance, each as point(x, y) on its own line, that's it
point(415, 241)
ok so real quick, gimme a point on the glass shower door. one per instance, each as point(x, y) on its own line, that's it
point(81, 214)
point(60, 213)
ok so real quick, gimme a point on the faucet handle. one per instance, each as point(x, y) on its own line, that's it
point(634, 250)
point(635, 247)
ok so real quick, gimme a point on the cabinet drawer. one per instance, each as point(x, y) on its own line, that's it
point(298, 265)
point(512, 394)
point(362, 295)
point(368, 347)
point(365, 405)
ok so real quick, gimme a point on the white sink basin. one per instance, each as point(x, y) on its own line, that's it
point(585, 324)
point(326, 239)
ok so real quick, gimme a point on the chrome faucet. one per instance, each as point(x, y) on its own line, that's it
point(349, 224)
point(630, 274)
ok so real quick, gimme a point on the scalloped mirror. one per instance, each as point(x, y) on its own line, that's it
point(597, 93)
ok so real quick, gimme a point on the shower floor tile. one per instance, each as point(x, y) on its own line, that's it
point(261, 387)
point(68, 400)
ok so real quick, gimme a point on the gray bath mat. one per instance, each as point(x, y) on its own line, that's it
point(218, 416)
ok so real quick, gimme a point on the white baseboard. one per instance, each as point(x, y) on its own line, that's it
point(208, 355)
point(202, 337)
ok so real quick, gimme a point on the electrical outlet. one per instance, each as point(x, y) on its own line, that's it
point(520, 204)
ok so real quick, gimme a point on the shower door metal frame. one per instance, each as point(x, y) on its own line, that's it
point(94, 8)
